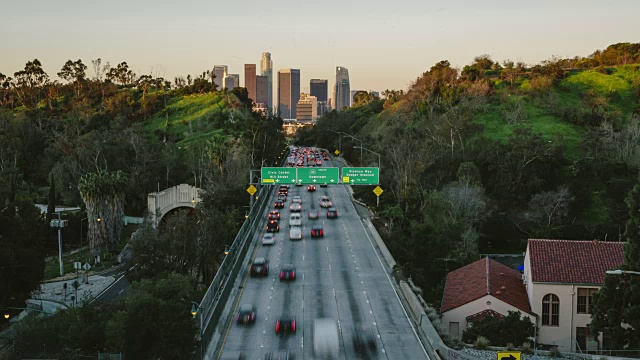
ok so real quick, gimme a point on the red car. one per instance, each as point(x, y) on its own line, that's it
point(285, 325)
point(278, 204)
point(272, 226)
point(317, 231)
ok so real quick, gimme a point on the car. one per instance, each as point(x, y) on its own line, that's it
point(311, 188)
point(325, 202)
point(295, 207)
point(326, 158)
point(282, 197)
point(318, 162)
point(295, 219)
point(247, 314)
point(283, 190)
point(272, 226)
point(260, 267)
point(364, 341)
point(278, 355)
point(323, 185)
point(285, 325)
point(317, 232)
point(332, 213)
point(278, 204)
point(268, 239)
point(288, 272)
point(295, 233)
point(274, 215)
point(297, 199)
point(313, 215)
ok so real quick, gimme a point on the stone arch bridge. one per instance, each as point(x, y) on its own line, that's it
point(161, 203)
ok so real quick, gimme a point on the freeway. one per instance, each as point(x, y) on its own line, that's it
point(339, 276)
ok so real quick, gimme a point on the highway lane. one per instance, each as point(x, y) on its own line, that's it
point(339, 277)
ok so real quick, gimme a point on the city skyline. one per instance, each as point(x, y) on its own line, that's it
point(408, 39)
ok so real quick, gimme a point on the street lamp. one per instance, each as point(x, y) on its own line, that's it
point(373, 152)
point(59, 224)
point(227, 249)
point(339, 139)
point(6, 314)
point(355, 138)
point(622, 272)
point(195, 308)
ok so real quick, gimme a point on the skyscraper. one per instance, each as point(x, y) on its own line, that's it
point(307, 109)
point(320, 89)
point(288, 92)
point(250, 80)
point(220, 71)
point(342, 89)
point(266, 69)
point(262, 89)
point(232, 81)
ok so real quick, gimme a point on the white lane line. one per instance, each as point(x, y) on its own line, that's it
point(390, 283)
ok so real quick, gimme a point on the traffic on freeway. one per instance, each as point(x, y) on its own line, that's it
point(315, 287)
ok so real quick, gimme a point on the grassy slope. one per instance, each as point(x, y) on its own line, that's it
point(183, 110)
point(617, 86)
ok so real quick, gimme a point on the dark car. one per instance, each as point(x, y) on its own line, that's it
point(323, 185)
point(260, 267)
point(313, 215)
point(288, 272)
point(285, 325)
point(282, 197)
point(332, 213)
point(246, 315)
point(278, 204)
point(311, 188)
point(278, 355)
point(274, 215)
point(272, 226)
point(364, 341)
point(317, 231)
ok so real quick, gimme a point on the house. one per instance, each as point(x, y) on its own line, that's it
point(483, 288)
point(560, 278)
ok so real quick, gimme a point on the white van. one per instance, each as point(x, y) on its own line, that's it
point(295, 219)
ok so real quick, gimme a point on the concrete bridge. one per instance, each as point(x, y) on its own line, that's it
point(161, 203)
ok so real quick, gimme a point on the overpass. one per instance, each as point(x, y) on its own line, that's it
point(161, 203)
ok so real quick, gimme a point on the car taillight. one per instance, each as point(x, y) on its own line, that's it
point(293, 274)
point(253, 316)
point(281, 275)
point(238, 318)
point(278, 326)
point(293, 326)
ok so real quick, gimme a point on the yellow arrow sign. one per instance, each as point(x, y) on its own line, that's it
point(251, 189)
point(508, 355)
point(378, 191)
point(336, 152)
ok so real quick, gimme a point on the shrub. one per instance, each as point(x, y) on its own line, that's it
point(510, 347)
point(481, 343)
point(526, 348)
point(555, 352)
point(512, 329)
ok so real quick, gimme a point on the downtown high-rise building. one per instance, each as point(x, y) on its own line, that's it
point(320, 89)
point(266, 69)
point(232, 81)
point(307, 109)
point(220, 71)
point(288, 92)
point(341, 89)
point(262, 92)
point(250, 80)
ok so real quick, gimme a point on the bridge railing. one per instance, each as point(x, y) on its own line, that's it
point(218, 292)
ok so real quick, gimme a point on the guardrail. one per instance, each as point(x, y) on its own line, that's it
point(214, 300)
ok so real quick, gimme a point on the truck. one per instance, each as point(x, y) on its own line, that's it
point(325, 339)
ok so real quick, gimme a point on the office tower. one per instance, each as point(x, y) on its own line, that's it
point(250, 80)
point(320, 89)
point(329, 107)
point(232, 81)
point(342, 89)
point(220, 71)
point(307, 109)
point(262, 92)
point(288, 92)
point(266, 69)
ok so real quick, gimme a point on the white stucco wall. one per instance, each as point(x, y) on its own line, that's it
point(460, 313)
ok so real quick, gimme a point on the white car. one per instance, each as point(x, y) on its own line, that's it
point(295, 233)
point(297, 199)
point(268, 239)
point(295, 207)
point(295, 219)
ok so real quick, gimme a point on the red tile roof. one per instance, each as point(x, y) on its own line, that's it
point(485, 277)
point(573, 261)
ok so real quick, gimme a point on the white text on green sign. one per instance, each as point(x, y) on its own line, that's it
point(361, 175)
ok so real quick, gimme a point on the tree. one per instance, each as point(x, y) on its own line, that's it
point(362, 97)
point(549, 208)
point(74, 72)
point(103, 195)
point(121, 74)
point(514, 329)
point(616, 310)
point(51, 204)
point(29, 84)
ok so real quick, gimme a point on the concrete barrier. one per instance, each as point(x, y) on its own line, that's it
point(381, 245)
point(417, 311)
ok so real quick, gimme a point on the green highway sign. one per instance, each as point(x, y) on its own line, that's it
point(277, 175)
point(360, 175)
point(319, 175)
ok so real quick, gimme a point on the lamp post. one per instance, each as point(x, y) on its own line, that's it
point(195, 308)
point(622, 272)
point(81, 235)
point(339, 139)
point(355, 138)
point(59, 224)
point(373, 152)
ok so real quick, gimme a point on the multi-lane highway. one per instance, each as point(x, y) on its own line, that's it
point(339, 276)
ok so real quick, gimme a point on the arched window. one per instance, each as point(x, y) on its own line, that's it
point(551, 310)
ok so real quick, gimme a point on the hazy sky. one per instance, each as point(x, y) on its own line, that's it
point(384, 44)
